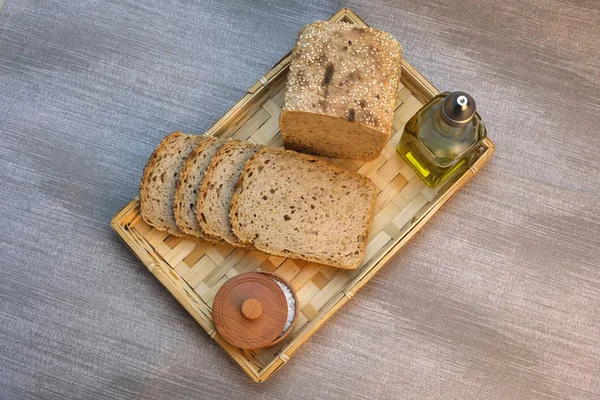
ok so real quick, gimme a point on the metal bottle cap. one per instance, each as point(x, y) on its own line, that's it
point(458, 108)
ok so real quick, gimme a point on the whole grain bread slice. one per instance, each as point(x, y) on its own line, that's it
point(157, 188)
point(217, 189)
point(294, 205)
point(188, 185)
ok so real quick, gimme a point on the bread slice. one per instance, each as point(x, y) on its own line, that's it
point(157, 189)
point(188, 186)
point(218, 186)
point(293, 205)
point(341, 91)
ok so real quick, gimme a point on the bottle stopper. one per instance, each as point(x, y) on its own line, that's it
point(458, 108)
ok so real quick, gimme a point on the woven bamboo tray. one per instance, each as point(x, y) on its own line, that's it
point(193, 271)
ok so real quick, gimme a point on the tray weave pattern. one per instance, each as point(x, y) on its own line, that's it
point(193, 270)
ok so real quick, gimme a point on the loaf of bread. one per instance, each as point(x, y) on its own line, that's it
point(341, 91)
point(217, 189)
point(157, 189)
point(294, 205)
point(188, 186)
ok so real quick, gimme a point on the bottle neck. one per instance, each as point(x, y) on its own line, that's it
point(447, 129)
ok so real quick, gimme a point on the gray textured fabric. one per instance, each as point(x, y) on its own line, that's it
point(497, 298)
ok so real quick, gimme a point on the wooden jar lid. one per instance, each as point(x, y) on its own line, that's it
point(250, 310)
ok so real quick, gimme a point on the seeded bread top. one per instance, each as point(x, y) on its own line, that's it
point(345, 71)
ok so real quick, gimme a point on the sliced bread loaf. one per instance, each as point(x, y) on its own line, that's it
point(218, 186)
point(341, 91)
point(188, 185)
point(297, 206)
point(157, 189)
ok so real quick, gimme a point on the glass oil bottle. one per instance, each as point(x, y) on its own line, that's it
point(441, 140)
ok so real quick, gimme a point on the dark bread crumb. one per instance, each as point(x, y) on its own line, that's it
point(334, 233)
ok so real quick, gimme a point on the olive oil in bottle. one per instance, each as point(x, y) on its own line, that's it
point(441, 139)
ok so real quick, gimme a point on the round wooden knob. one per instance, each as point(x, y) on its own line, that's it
point(252, 309)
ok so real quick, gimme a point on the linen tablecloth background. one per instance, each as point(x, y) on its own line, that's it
point(498, 298)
